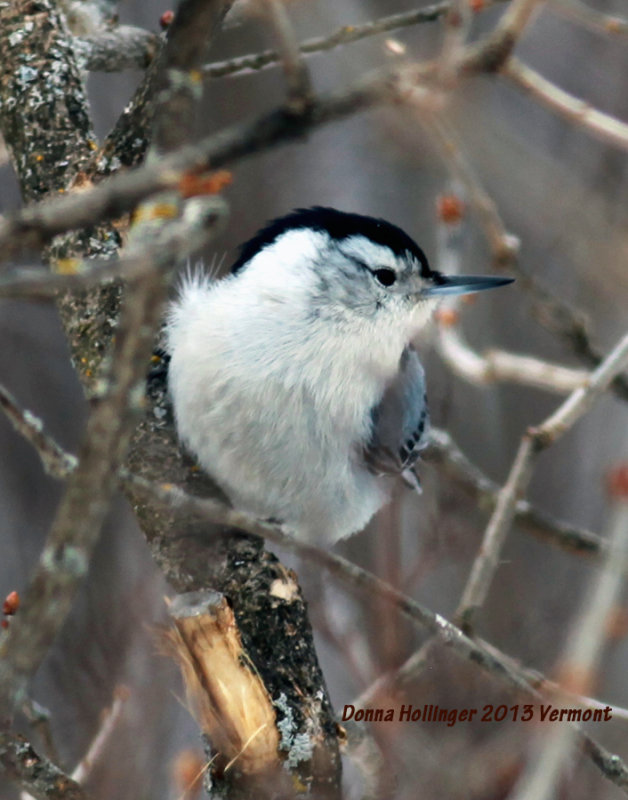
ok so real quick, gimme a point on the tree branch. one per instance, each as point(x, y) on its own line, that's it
point(533, 442)
point(603, 126)
point(34, 773)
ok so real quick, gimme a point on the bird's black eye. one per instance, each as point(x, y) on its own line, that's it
point(385, 276)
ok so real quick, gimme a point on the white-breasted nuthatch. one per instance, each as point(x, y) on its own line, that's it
point(293, 380)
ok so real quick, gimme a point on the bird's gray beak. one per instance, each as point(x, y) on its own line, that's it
point(464, 284)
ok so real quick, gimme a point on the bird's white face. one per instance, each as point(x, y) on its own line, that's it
point(360, 273)
point(344, 279)
point(380, 285)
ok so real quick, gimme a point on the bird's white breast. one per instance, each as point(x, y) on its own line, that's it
point(276, 406)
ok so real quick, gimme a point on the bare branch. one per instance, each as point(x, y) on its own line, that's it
point(535, 439)
point(34, 773)
point(177, 81)
point(344, 35)
point(591, 18)
point(446, 453)
point(55, 460)
point(75, 530)
point(116, 49)
point(109, 722)
point(34, 226)
point(486, 657)
point(603, 126)
point(579, 662)
point(296, 72)
point(498, 366)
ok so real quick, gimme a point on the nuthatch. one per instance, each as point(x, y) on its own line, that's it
point(294, 382)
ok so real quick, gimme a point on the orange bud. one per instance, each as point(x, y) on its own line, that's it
point(188, 767)
point(166, 19)
point(11, 604)
point(477, 5)
point(192, 185)
point(616, 626)
point(614, 25)
point(447, 317)
point(617, 482)
point(450, 209)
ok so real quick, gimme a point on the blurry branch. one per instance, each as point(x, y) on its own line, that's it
point(493, 51)
point(35, 774)
point(186, 234)
point(109, 722)
point(533, 442)
point(108, 725)
point(55, 461)
point(580, 660)
point(498, 366)
point(447, 455)
point(504, 246)
point(294, 67)
point(65, 558)
point(447, 634)
point(603, 126)
point(590, 17)
point(127, 143)
point(35, 226)
point(552, 312)
point(443, 452)
point(457, 26)
point(119, 48)
point(177, 85)
point(497, 663)
point(342, 36)
point(493, 365)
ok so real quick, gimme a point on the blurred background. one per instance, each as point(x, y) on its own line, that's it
point(563, 194)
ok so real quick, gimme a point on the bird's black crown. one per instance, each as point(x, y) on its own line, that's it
point(339, 225)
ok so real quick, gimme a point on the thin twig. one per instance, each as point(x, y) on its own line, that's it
point(446, 453)
point(487, 560)
point(321, 44)
point(504, 246)
point(499, 366)
point(534, 440)
point(603, 126)
point(590, 17)
point(579, 662)
point(56, 462)
point(33, 227)
point(294, 67)
point(108, 724)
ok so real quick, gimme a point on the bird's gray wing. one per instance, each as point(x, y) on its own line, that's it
point(400, 422)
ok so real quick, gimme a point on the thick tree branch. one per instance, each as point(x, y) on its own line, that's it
point(34, 773)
